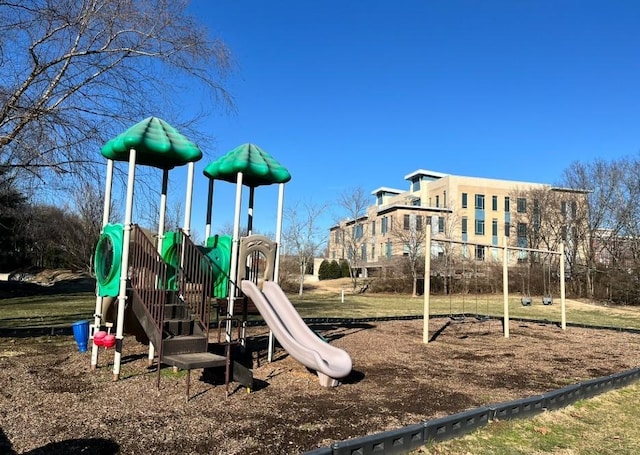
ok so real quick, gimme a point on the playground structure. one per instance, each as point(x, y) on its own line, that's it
point(161, 287)
point(525, 300)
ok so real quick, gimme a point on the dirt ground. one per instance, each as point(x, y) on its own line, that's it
point(50, 401)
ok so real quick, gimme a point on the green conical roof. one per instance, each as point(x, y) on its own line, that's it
point(157, 144)
point(257, 167)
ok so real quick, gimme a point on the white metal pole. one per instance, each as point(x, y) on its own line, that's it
point(427, 285)
point(124, 269)
point(160, 240)
point(207, 228)
point(233, 272)
point(562, 290)
point(276, 268)
point(189, 199)
point(106, 209)
point(505, 285)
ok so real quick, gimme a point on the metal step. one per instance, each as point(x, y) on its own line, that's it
point(194, 360)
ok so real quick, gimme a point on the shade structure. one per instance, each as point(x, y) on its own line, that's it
point(257, 167)
point(157, 144)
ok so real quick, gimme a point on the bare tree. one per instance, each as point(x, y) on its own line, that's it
point(302, 235)
point(411, 233)
point(353, 228)
point(603, 201)
point(75, 73)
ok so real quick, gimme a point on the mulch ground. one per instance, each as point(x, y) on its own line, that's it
point(51, 403)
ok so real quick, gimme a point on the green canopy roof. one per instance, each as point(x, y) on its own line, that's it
point(157, 144)
point(257, 167)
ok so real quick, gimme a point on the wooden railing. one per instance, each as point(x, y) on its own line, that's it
point(148, 276)
point(195, 281)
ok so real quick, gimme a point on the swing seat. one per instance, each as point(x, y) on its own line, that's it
point(526, 301)
point(547, 300)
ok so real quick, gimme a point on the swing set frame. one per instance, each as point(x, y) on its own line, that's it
point(505, 278)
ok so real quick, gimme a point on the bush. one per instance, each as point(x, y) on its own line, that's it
point(344, 269)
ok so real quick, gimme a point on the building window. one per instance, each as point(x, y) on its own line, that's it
point(388, 249)
point(464, 200)
point(522, 230)
point(416, 202)
point(522, 205)
point(494, 228)
point(441, 224)
point(507, 228)
point(444, 198)
point(383, 225)
point(480, 252)
point(464, 225)
point(437, 201)
point(418, 223)
point(479, 201)
point(494, 203)
point(373, 251)
point(357, 231)
point(415, 185)
point(363, 252)
point(479, 227)
point(507, 204)
point(373, 227)
point(407, 222)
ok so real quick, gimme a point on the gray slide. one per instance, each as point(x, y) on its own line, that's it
point(294, 335)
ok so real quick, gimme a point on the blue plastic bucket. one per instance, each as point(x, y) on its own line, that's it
point(81, 334)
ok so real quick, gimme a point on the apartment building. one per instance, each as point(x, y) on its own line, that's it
point(466, 209)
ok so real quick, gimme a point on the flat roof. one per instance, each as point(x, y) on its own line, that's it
point(425, 173)
point(385, 189)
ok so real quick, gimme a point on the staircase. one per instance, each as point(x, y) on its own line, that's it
point(177, 320)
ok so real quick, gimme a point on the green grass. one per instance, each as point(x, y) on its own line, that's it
point(376, 305)
point(46, 310)
point(605, 424)
point(63, 309)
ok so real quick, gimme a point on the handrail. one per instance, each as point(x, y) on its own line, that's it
point(195, 281)
point(147, 276)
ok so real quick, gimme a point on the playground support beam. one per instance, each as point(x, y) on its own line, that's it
point(562, 289)
point(505, 285)
point(276, 267)
point(189, 199)
point(122, 294)
point(160, 239)
point(427, 285)
point(233, 283)
point(106, 209)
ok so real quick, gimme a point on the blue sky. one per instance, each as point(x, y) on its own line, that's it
point(512, 90)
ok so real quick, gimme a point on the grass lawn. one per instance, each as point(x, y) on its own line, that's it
point(604, 425)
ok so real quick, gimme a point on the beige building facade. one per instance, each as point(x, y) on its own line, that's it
point(464, 209)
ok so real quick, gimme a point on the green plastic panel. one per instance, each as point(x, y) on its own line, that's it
point(219, 254)
point(108, 260)
point(170, 253)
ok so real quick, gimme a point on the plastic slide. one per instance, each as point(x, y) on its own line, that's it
point(330, 363)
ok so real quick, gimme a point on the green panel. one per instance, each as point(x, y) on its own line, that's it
point(108, 260)
point(219, 254)
point(170, 253)
point(157, 144)
point(257, 166)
